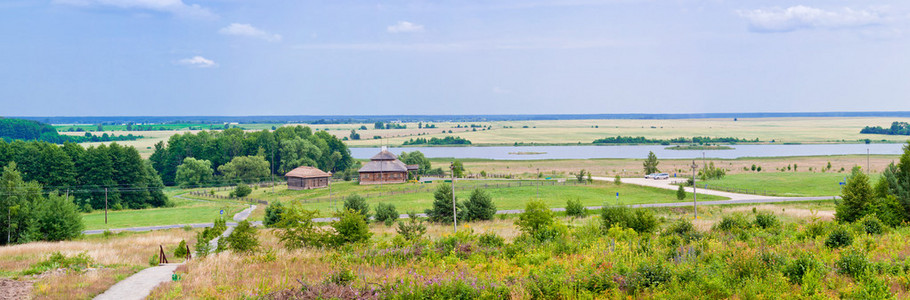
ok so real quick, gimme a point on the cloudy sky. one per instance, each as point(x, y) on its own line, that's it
point(265, 57)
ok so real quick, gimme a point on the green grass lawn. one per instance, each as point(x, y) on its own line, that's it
point(804, 184)
point(505, 198)
point(184, 212)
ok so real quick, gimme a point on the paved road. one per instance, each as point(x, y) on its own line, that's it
point(139, 285)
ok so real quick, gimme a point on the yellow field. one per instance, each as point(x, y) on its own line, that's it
point(780, 130)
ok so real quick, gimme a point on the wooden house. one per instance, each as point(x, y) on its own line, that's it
point(304, 178)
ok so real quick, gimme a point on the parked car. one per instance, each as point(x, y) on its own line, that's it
point(661, 176)
point(649, 176)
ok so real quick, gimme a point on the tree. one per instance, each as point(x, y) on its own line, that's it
point(243, 238)
point(857, 197)
point(458, 169)
point(536, 217)
point(442, 206)
point(680, 193)
point(359, 204)
point(580, 176)
point(242, 190)
point(386, 213)
point(480, 206)
point(25, 215)
point(416, 158)
point(245, 169)
point(351, 227)
point(273, 214)
point(194, 172)
point(650, 164)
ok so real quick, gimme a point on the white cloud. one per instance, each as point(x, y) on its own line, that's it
point(804, 17)
point(198, 62)
point(248, 30)
point(176, 7)
point(404, 27)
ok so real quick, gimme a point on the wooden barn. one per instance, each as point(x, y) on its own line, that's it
point(304, 178)
point(385, 168)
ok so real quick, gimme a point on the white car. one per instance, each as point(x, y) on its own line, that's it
point(649, 176)
point(661, 176)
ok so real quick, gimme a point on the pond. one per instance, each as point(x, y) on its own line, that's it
point(636, 151)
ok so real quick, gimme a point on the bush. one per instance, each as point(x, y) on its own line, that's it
point(796, 270)
point(575, 209)
point(852, 263)
point(649, 275)
point(59, 261)
point(154, 261)
point(732, 222)
point(181, 251)
point(342, 277)
point(243, 238)
point(299, 230)
point(535, 217)
point(766, 220)
point(490, 239)
point(242, 190)
point(386, 213)
point(680, 193)
point(839, 238)
point(414, 229)
point(350, 227)
point(684, 229)
point(872, 225)
point(273, 214)
point(639, 219)
point(479, 207)
point(359, 204)
point(617, 180)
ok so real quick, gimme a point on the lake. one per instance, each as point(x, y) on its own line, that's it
point(636, 151)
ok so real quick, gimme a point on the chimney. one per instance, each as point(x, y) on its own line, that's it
point(384, 148)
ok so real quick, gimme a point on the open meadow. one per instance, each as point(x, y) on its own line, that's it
point(514, 196)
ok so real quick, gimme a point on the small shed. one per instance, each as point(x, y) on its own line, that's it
point(304, 178)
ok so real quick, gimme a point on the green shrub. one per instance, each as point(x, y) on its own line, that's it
point(358, 204)
point(154, 260)
point(617, 180)
point(641, 220)
point(479, 206)
point(732, 222)
point(797, 269)
point(536, 217)
point(273, 214)
point(181, 251)
point(852, 263)
point(386, 213)
point(684, 229)
point(350, 227)
point(680, 193)
point(872, 225)
point(242, 190)
point(202, 245)
point(490, 239)
point(649, 275)
point(413, 229)
point(342, 277)
point(243, 238)
point(59, 261)
point(441, 212)
point(575, 209)
point(299, 229)
point(766, 220)
point(839, 238)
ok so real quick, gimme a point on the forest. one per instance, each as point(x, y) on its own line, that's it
point(897, 128)
point(19, 129)
point(284, 149)
point(449, 140)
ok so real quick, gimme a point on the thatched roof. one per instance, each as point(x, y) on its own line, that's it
point(384, 166)
point(384, 155)
point(307, 172)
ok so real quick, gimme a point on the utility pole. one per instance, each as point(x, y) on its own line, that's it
point(538, 183)
point(454, 212)
point(694, 194)
point(105, 205)
point(868, 165)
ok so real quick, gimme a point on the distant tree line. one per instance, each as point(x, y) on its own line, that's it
point(449, 140)
point(679, 140)
point(389, 125)
point(897, 128)
point(19, 129)
point(281, 150)
point(131, 182)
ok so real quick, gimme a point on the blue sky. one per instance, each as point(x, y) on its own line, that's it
point(264, 57)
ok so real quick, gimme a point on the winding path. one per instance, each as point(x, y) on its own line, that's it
point(140, 285)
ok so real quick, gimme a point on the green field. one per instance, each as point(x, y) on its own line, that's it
point(805, 184)
point(184, 212)
point(595, 194)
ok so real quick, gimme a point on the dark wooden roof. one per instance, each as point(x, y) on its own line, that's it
point(384, 155)
point(384, 166)
point(307, 172)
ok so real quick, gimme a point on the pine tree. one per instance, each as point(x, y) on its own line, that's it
point(650, 164)
point(442, 206)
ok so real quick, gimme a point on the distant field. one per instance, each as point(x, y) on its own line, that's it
point(185, 212)
point(804, 184)
point(505, 198)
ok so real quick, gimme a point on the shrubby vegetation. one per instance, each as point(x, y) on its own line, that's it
point(30, 216)
point(283, 149)
point(680, 140)
point(888, 200)
point(897, 128)
point(449, 140)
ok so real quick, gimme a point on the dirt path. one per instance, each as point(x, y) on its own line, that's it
point(139, 285)
point(667, 184)
point(14, 289)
